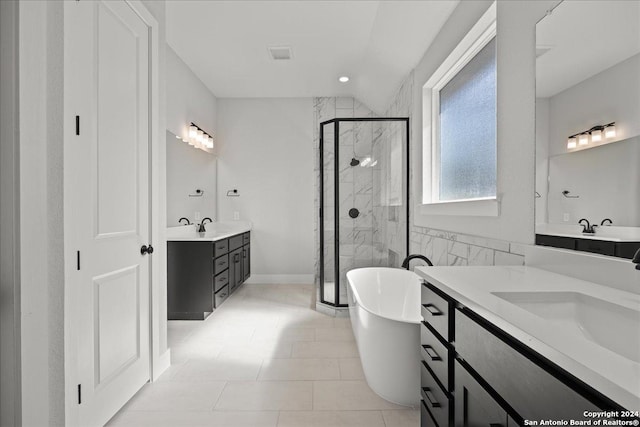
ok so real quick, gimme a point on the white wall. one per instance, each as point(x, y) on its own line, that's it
point(266, 153)
point(516, 117)
point(41, 221)
point(188, 100)
point(189, 169)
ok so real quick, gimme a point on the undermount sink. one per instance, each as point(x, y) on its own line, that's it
point(609, 325)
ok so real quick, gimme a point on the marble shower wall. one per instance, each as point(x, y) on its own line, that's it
point(440, 246)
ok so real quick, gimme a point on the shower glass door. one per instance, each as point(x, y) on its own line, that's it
point(364, 199)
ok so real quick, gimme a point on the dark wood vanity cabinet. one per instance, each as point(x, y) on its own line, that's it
point(602, 247)
point(189, 280)
point(475, 374)
point(474, 406)
point(436, 361)
point(201, 275)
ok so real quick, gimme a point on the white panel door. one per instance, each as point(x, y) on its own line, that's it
point(107, 171)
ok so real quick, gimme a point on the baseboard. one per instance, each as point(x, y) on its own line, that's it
point(281, 279)
point(161, 364)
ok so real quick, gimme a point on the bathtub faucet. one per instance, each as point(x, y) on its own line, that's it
point(405, 263)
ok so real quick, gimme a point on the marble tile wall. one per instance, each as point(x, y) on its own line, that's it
point(440, 246)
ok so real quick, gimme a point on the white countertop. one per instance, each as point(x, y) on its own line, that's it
point(611, 374)
point(215, 231)
point(607, 233)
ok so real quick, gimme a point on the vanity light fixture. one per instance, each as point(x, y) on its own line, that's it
point(595, 134)
point(199, 138)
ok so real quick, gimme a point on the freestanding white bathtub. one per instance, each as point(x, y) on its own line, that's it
point(384, 305)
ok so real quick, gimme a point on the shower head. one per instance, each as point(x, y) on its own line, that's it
point(355, 162)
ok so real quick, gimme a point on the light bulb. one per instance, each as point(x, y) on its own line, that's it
point(343, 79)
point(193, 132)
point(583, 139)
point(596, 135)
point(210, 142)
point(572, 142)
point(610, 131)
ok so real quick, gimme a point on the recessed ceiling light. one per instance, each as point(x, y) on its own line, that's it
point(343, 79)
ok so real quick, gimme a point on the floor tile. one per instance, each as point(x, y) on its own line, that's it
point(347, 395)
point(335, 349)
point(299, 369)
point(402, 418)
point(331, 419)
point(257, 349)
point(194, 419)
point(176, 396)
point(334, 334)
point(351, 369)
point(218, 370)
point(342, 322)
point(280, 334)
point(266, 396)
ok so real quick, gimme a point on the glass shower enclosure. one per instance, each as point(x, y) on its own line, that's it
point(364, 199)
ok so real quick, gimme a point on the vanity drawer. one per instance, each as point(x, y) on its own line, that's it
point(221, 264)
point(246, 237)
point(221, 280)
point(235, 242)
point(597, 246)
point(437, 312)
point(221, 296)
point(435, 400)
point(221, 247)
point(533, 392)
point(425, 417)
point(436, 355)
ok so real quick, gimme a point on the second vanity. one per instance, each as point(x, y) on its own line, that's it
point(204, 269)
point(511, 345)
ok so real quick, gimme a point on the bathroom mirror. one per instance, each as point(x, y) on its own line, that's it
point(588, 77)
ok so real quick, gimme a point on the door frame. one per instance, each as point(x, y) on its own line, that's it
point(159, 356)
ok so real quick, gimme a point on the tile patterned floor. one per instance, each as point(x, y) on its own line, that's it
point(264, 359)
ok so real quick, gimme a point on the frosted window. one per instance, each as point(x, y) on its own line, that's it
point(468, 130)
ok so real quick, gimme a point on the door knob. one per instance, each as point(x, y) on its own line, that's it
point(146, 249)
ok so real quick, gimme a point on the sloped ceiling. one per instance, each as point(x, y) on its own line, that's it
point(375, 43)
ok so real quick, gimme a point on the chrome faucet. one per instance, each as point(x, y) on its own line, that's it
point(605, 220)
point(405, 263)
point(588, 228)
point(184, 219)
point(201, 228)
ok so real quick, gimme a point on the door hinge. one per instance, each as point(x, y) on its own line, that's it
point(77, 125)
point(79, 394)
point(78, 260)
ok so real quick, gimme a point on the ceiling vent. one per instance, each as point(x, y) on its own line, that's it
point(280, 53)
point(541, 50)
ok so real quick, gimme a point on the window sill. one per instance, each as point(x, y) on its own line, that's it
point(480, 207)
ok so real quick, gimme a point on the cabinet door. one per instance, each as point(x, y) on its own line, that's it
point(235, 269)
point(246, 262)
point(474, 406)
